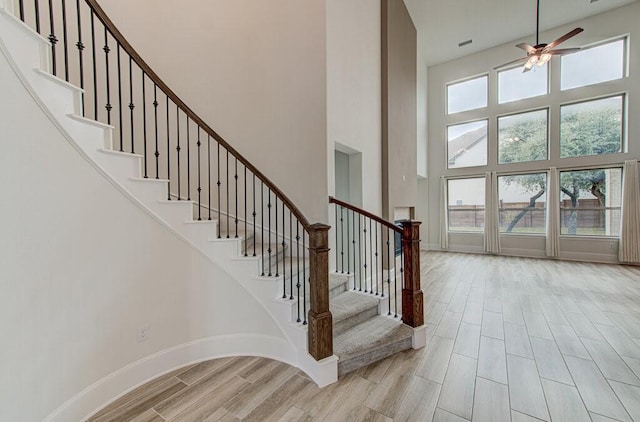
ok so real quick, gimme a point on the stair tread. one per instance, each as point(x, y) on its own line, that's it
point(350, 303)
point(374, 333)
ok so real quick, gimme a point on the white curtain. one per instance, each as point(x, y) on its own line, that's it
point(629, 250)
point(444, 219)
point(553, 213)
point(491, 219)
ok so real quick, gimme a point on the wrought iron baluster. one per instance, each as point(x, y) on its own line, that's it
point(376, 255)
point(209, 172)
point(360, 267)
point(37, 13)
point(304, 279)
point(65, 41)
point(348, 256)
point(284, 244)
point(262, 223)
point(119, 95)
point(178, 148)
point(353, 239)
point(276, 243)
point(168, 152)
point(235, 176)
point(254, 214)
point(364, 232)
point(335, 208)
point(52, 39)
point(269, 229)
point(218, 183)
point(291, 259)
point(370, 257)
point(21, 6)
point(198, 144)
point(144, 125)
point(246, 217)
point(132, 106)
point(188, 161)
point(389, 232)
point(107, 50)
point(298, 266)
point(80, 46)
point(95, 73)
point(228, 207)
point(155, 122)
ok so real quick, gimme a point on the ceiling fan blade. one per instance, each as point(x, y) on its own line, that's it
point(520, 60)
point(563, 51)
point(526, 47)
point(562, 39)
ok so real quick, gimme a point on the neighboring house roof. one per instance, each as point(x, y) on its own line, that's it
point(460, 145)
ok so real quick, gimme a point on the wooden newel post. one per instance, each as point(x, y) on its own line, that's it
point(320, 335)
point(412, 302)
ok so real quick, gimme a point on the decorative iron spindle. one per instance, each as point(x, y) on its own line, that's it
point(360, 252)
point(335, 209)
point(377, 267)
point(235, 176)
point(169, 153)
point(304, 280)
point(95, 72)
point(298, 266)
point(209, 173)
point(348, 257)
point(353, 239)
point(246, 232)
point(254, 215)
point(80, 47)
point(262, 224)
point(178, 148)
point(364, 231)
point(107, 50)
point(228, 208)
point(119, 96)
point(198, 144)
point(37, 13)
point(132, 106)
point(52, 39)
point(269, 229)
point(21, 6)
point(370, 258)
point(218, 183)
point(188, 162)
point(65, 41)
point(276, 234)
point(155, 122)
point(291, 260)
point(144, 126)
point(284, 244)
point(341, 227)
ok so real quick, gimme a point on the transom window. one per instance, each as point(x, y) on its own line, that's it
point(602, 63)
point(467, 95)
point(514, 84)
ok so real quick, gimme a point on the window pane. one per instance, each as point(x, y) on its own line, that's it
point(591, 128)
point(467, 144)
point(523, 201)
point(522, 137)
point(466, 204)
point(467, 95)
point(514, 84)
point(593, 65)
point(590, 202)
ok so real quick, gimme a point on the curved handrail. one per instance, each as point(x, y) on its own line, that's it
point(367, 214)
point(111, 27)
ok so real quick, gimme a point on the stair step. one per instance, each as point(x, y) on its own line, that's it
point(350, 308)
point(338, 284)
point(371, 341)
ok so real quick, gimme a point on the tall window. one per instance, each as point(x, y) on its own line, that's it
point(602, 63)
point(522, 137)
point(467, 95)
point(591, 127)
point(523, 201)
point(466, 204)
point(590, 202)
point(467, 144)
point(513, 84)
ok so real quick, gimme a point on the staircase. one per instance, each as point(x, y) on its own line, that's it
point(266, 245)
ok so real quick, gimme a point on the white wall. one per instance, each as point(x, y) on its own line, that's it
point(82, 267)
point(353, 90)
point(254, 71)
point(601, 27)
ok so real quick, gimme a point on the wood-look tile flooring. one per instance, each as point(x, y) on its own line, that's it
point(508, 339)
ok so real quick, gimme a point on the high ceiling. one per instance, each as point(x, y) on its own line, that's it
point(442, 24)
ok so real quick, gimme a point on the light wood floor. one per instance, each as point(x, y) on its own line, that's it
point(508, 339)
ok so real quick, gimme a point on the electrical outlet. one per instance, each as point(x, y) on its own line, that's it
point(142, 334)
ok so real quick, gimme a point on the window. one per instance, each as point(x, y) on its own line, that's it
point(467, 144)
point(590, 202)
point(588, 67)
point(522, 137)
point(514, 84)
point(591, 128)
point(523, 202)
point(467, 95)
point(466, 204)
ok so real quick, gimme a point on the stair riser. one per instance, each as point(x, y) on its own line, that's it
point(199, 233)
point(174, 213)
point(121, 167)
point(342, 326)
point(356, 362)
point(90, 138)
point(148, 192)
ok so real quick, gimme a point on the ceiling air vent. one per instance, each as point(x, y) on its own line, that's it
point(463, 43)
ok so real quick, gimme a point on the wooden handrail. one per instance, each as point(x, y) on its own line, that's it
point(367, 214)
point(108, 23)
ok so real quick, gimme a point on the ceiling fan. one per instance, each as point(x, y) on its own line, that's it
point(540, 54)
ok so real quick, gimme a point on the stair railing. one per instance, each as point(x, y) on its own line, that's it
point(383, 257)
point(149, 119)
